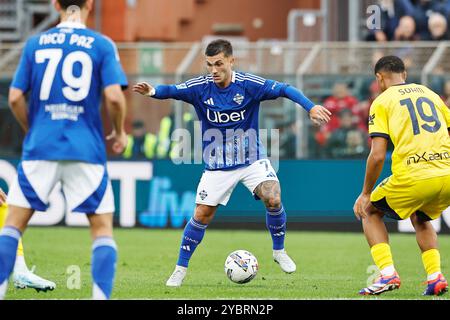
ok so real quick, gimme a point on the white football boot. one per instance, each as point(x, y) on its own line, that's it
point(177, 277)
point(27, 279)
point(285, 262)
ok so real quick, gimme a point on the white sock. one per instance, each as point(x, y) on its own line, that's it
point(278, 251)
point(388, 271)
point(97, 293)
point(3, 288)
point(433, 276)
point(20, 265)
point(177, 267)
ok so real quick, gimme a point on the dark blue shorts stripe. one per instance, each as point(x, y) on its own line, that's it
point(28, 191)
point(91, 204)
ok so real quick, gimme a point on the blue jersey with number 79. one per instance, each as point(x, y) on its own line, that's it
point(65, 70)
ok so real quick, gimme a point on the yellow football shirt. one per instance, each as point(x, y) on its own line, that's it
point(417, 121)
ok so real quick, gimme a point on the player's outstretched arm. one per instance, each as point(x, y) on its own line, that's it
point(144, 88)
point(18, 105)
point(115, 102)
point(319, 115)
point(163, 91)
point(2, 197)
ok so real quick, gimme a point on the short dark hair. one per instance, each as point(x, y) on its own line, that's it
point(67, 3)
point(390, 64)
point(217, 46)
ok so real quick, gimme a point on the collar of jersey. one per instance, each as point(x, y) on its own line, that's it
point(71, 24)
point(233, 79)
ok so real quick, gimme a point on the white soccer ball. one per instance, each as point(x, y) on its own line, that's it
point(241, 266)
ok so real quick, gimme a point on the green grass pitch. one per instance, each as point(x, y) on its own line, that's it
point(330, 265)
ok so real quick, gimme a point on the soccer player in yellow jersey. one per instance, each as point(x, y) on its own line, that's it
point(23, 278)
point(417, 121)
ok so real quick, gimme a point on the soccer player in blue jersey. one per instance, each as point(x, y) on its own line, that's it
point(227, 104)
point(66, 70)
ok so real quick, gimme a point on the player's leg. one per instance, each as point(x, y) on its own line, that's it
point(436, 194)
point(270, 193)
point(427, 241)
point(88, 190)
point(260, 178)
point(386, 200)
point(193, 234)
point(22, 276)
point(378, 240)
point(426, 238)
point(104, 255)
point(29, 192)
point(20, 261)
point(214, 188)
point(194, 231)
point(15, 225)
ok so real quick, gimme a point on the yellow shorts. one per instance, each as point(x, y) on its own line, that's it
point(399, 199)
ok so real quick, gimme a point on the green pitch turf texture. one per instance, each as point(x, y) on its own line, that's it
point(329, 265)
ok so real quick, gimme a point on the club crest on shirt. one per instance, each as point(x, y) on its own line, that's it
point(203, 194)
point(238, 98)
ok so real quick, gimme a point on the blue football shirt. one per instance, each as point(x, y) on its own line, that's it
point(229, 116)
point(65, 70)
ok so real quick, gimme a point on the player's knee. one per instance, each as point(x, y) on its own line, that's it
point(101, 225)
point(18, 218)
point(273, 203)
point(204, 214)
point(101, 231)
point(419, 222)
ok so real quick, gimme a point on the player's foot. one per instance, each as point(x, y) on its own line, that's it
point(436, 287)
point(27, 279)
point(177, 277)
point(382, 284)
point(285, 262)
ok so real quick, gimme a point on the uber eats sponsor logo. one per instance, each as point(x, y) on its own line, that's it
point(425, 157)
point(223, 117)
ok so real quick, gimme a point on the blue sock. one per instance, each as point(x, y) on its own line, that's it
point(276, 223)
point(192, 236)
point(9, 239)
point(104, 258)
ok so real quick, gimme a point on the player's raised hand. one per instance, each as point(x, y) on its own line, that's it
point(143, 88)
point(360, 206)
point(120, 141)
point(2, 197)
point(319, 115)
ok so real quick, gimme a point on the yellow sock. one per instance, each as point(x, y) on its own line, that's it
point(382, 256)
point(20, 248)
point(431, 261)
point(3, 214)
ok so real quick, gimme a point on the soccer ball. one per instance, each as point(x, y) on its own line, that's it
point(241, 266)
